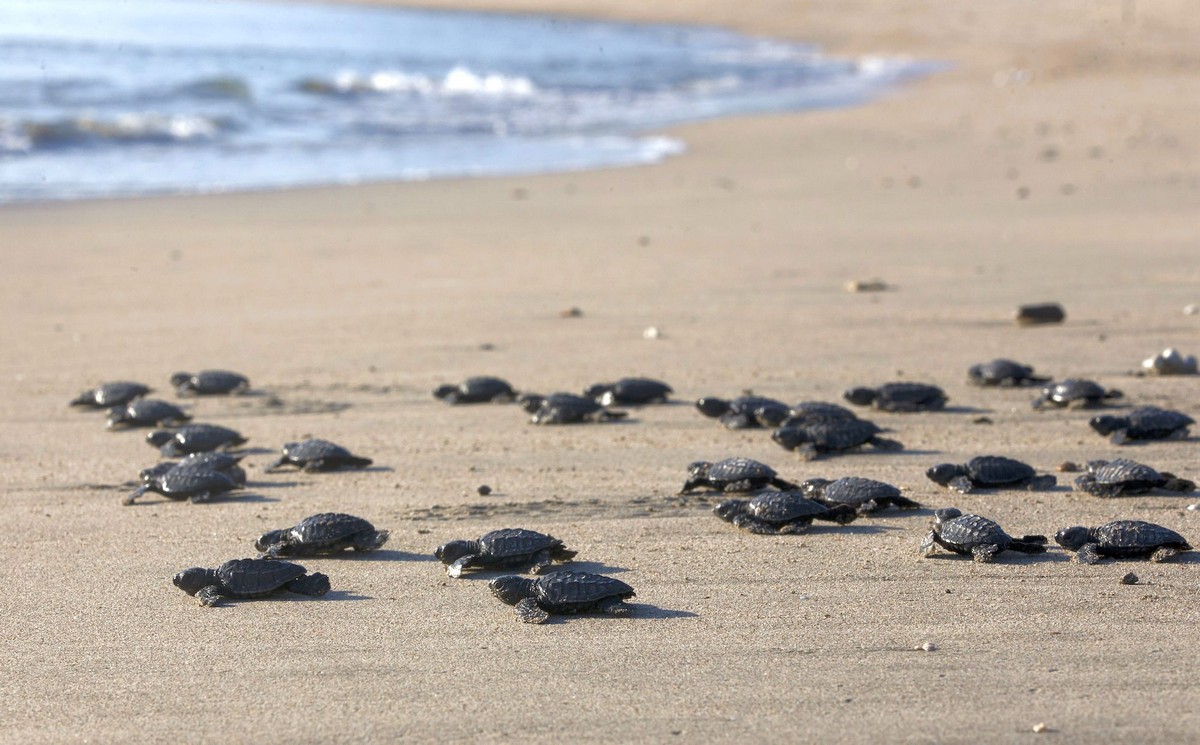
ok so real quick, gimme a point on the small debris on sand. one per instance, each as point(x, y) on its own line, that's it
point(1039, 313)
point(1040, 727)
point(1068, 467)
point(1170, 362)
point(484, 490)
point(1129, 579)
point(571, 312)
point(867, 285)
point(927, 647)
point(651, 332)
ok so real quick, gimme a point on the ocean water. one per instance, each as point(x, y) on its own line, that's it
point(103, 98)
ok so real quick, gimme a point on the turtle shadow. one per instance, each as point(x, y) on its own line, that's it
point(273, 484)
point(595, 567)
point(967, 410)
point(248, 497)
point(853, 528)
point(1006, 557)
point(647, 611)
point(384, 554)
point(343, 596)
point(251, 451)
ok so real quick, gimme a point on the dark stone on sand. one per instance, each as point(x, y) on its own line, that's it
point(1039, 313)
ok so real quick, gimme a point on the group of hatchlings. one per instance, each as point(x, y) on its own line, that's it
point(208, 468)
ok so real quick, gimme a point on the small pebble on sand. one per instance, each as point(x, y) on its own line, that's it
point(927, 647)
point(484, 490)
point(570, 313)
point(1129, 579)
point(1039, 313)
point(1040, 727)
point(866, 285)
point(651, 332)
point(1068, 467)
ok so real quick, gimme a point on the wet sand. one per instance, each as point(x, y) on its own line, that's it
point(1057, 161)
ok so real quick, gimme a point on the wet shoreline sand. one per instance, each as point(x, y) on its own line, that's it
point(349, 305)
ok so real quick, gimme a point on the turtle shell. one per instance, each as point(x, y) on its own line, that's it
point(315, 449)
point(327, 528)
point(215, 382)
point(633, 391)
point(1151, 422)
point(828, 435)
point(482, 388)
point(510, 543)
point(739, 469)
point(818, 411)
point(901, 396)
point(563, 408)
point(999, 372)
point(996, 470)
point(967, 531)
point(855, 490)
point(1073, 389)
point(201, 438)
point(251, 577)
point(1124, 471)
point(147, 411)
point(1132, 537)
point(570, 592)
point(181, 483)
point(116, 393)
point(778, 508)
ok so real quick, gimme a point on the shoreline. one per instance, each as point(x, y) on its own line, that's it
point(350, 304)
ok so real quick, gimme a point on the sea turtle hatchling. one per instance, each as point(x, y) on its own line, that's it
point(209, 383)
point(314, 454)
point(899, 397)
point(1003, 373)
point(223, 462)
point(193, 438)
point(476, 390)
point(1121, 539)
point(812, 440)
point(503, 549)
point(326, 533)
point(864, 495)
point(108, 395)
point(1118, 477)
point(629, 392)
point(1143, 423)
point(773, 513)
point(988, 472)
point(1075, 393)
point(250, 578)
point(562, 592)
point(733, 475)
point(805, 412)
point(196, 484)
point(146, 412)
point(975, 536)
point(743, 412)
point(566, 408)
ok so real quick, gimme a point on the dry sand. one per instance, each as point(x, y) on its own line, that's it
point(1056, 161)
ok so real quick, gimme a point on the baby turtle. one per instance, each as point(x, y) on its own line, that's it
point(806, 412)
point(831, 436)
point(1121, 539)
point(899, 397)
point(733, 475)
point(209, 383)
point(1143, 423)
point(326, 533)
point(977, 536)
point(779, 512)
point(534, 600)
point(864, 495)
point(504, 549)
point(196, 484)
point(989, 471)
point(249, 578)
point(146, 412)
point(476, 390)
point(566, 408)
point(1004, 373)
point(1075, 393)
point(193, 438)
point(743, 412)
point(227, 464)
point(117, 393)
point(630, 392)
point(317, 455)
point(1119, 477)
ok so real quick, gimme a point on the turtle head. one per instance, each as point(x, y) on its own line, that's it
point(596, 391)
point(444, 391)
point(180, 378)
point(789, 437)
point(945, 513)
point(711, 406)
point(159, 437)
point(146, 475)
point(448, 553)
point(728, 509)
point(1106, 424)
point(1072, 539)
point(943, 473)
point(814, 487)
point(195, 579)
point(771, 416)
point(530, 402)
point(511, 589)
point(699, 469)
point(270, 538)
point(860, 396)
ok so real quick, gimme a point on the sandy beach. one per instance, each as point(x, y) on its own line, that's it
point(1057, 158)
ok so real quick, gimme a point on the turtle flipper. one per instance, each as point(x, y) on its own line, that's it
point(883, 443)
point(209, 596)
point(615, 607)
point(961, 484)
point(201, 497)
point(929, 544)
point(128, 500)
point(904, 503)
point(985, 553)
point(1174, 483)
point(758, 527)
point(793, 528)
point(1026, 546)
point(784, 485)
point(315, 584)
point(528, 611)
point(371, 541)
point(313, 466)
point(1088, 554)
point(1163, 553)
point(275, 464)
point(1119, 437)
point(542, 561)
point(1042, 483)
point(842, 514)
point(455, 570)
